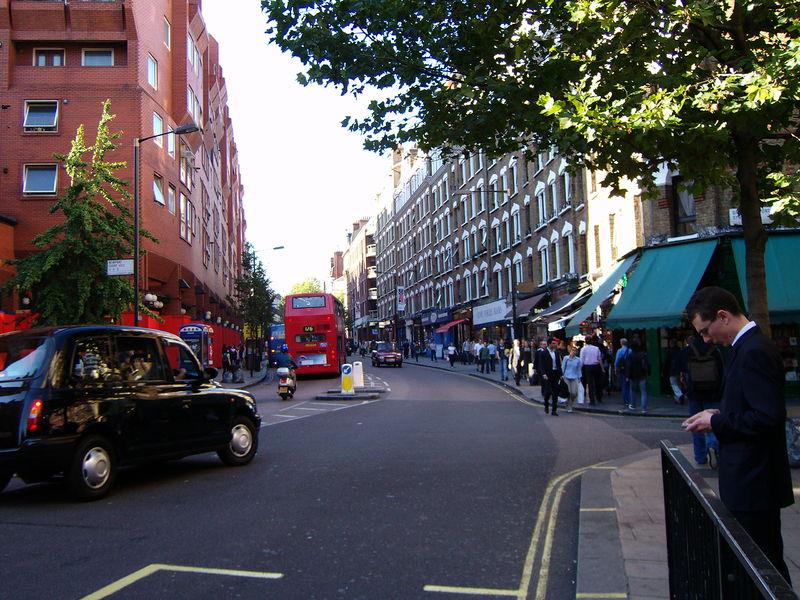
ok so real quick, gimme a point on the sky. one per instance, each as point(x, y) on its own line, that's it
point(306, 178)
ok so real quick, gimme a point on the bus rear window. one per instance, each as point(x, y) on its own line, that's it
point(306, 338)
point(308, 302)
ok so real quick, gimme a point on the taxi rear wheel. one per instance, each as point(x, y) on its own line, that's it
point(93, 469)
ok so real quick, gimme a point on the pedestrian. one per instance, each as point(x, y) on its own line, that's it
point(492, 355)
point(571, 369)
point(700, 373)
point(534, 371)
point(451, 354)
point(672, 370)
point(432, 348)
point(754, 478)
point(526, 366)
point(484, 358)
point(619, 367)
point(637, 369)
point(514, 358)
point(415, 351)
point(502, 356)
point(550, 371)
point(476, 353)
point(591, 359)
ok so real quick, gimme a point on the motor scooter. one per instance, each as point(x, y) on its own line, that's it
point(287, 383)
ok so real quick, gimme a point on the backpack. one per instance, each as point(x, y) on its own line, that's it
point(703, 372)
point(484, 353)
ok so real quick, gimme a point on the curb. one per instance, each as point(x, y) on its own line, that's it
point(619, 412)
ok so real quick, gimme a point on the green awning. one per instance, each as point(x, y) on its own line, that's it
point(601, 293)
point(783, 276)
point(660, 287)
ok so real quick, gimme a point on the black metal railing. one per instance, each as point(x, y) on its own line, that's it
point(710, 556)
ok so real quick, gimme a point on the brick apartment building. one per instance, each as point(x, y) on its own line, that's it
point(156, 62)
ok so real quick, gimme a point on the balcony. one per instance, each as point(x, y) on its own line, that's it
point(371, 251)
point(372, 293)
point(372, 272)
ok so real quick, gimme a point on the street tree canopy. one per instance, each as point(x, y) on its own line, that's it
point(312, 285)
point(707, 88)
point(253, 298)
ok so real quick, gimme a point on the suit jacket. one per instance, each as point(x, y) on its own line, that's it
point(753, 462)
point(545, 366)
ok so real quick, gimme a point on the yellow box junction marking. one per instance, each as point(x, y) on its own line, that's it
point(154, 568)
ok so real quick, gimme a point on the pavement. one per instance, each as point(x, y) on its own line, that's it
point(622, 551)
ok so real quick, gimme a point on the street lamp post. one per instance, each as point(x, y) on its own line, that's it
point(188, 128)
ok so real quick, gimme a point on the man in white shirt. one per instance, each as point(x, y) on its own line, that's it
point(591, 359)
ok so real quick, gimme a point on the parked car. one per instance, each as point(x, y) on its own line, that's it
point(81, 401)
point(386, 353)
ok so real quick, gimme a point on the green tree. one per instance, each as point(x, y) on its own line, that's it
point(708, 88)
point(67, 277)
point(312, 285)
point(253, 297)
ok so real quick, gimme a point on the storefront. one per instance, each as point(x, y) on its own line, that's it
point(490, 321)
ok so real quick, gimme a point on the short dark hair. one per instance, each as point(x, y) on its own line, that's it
point(706, 302)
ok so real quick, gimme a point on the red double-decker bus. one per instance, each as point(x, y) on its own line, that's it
point(315, 332)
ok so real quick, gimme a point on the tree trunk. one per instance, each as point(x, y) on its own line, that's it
point(755, 236)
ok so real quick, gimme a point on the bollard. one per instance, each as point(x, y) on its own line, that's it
point(347, 380)
point(358, 374)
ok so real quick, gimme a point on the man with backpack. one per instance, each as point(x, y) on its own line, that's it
point(701, 377)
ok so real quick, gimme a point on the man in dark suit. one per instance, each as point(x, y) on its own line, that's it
point(754, 478)
point(548, 365)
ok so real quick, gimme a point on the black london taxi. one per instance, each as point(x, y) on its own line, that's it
point(80, 401)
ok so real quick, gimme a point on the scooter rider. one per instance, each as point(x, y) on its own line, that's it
point(284, 359)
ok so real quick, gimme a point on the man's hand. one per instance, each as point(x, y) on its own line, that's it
point(701, 422)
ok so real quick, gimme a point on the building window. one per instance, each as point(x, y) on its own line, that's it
point(41, 115)
point(98, 58)
point(567, 189)
point(541, 202)
point(158, 189)
point(48, 57)
point(497, 241)
point(40, 180)
point(158, 129)
point(515, 226)
point(171, 144)
point(167, 33)
point(553, 192)
point(152, 71)
point(499, 283)
point(545, 272)
point(171, 199)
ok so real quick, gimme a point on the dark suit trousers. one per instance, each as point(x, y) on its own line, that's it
point(594, 374)
point(764, 526)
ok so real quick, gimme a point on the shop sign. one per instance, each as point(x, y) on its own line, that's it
point(436, 316)
point(489, 313)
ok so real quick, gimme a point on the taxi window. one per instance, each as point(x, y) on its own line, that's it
point(182, 361)
point(92, 362)
point(138, 359)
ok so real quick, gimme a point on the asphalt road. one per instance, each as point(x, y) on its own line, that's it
point(446, 487)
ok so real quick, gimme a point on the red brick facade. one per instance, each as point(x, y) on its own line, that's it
point(42, 60)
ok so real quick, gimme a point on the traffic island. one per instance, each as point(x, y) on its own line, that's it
point(363, 389)
point(338, 395)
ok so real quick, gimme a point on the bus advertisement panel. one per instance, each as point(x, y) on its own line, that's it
point(277, 338)
point(314, 326)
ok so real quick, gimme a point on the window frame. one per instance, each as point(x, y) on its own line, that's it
point(52, 52)
point(39, 193)
point(84, 51)
point(41, 128)
point(152, 69)
point(158, 189)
